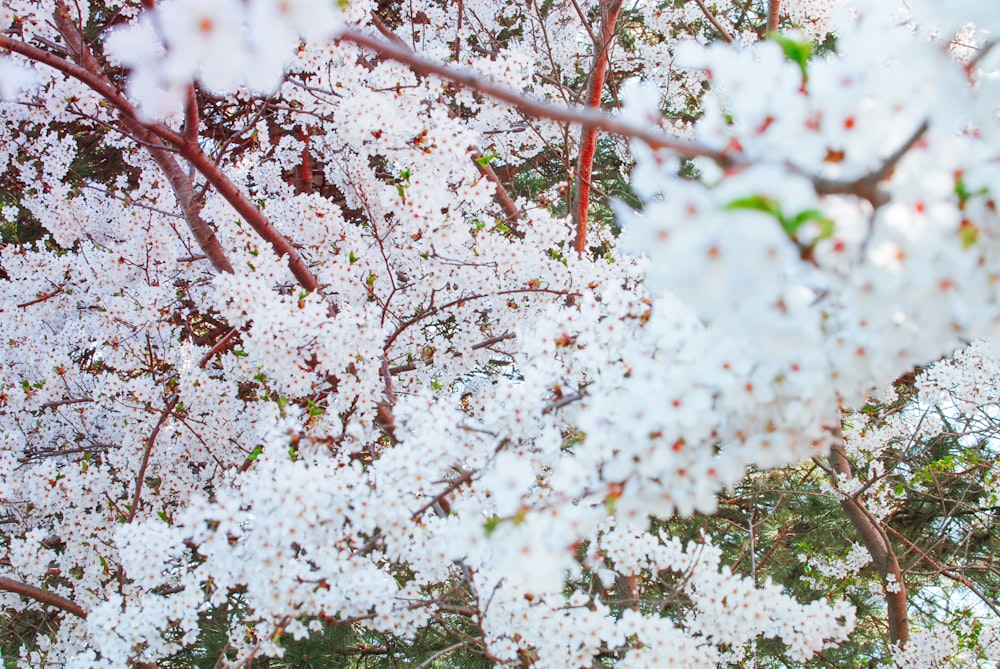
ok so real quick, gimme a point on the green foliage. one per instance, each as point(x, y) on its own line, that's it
point(797, 51)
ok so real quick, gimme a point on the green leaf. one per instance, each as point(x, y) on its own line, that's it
point(791, 225)
point(313, 409)
point(255, 453)
point(825, 223)
point(756, 203)
point(796, 51)
point(487, 159)
point(491, 524)
point(968, 234)
point(963, 192)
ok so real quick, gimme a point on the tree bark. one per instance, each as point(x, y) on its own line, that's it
point(883, 555)
point(588, 135)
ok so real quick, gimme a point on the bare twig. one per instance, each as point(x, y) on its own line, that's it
point(945, 571)
point(441, 653)
point(59, 403)
point(146, 453)
point(43, 297)
point(453, 485)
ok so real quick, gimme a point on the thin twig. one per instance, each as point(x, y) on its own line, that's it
point(867, 186)
point(715, 22)
point(145, 455)
point(73, 400)
point(218, 347)
point(453, 485)
point(43, 297)
point(441, 653)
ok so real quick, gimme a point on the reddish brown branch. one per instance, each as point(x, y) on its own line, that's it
point(59, 403)
point(453, 485)
point(252, 215)
point(43, 596)
point(191, 121)
point(146, 453)
point(191, 151)
point(183, 189)
point(500, 192)
point(945, 571)
point(773, 7)
point(715, 22)
point(221, 344)
point(867, 186)
point(883, 555)
point(179, 181)
point(588, 135)
point(537, 108)
point(303, 171)
point(43, 297)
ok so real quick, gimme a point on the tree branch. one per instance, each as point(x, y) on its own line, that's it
point(877, 543)
point(203, 233)
point(146, 453)
point(190, 151)
point(773, 8)
point(715, 22)
point(500, 192)
point(540, 109)
point(867, 186)
point(43, 596)
point(588, 134)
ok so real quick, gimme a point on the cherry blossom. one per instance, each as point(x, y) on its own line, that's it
point(303, 337)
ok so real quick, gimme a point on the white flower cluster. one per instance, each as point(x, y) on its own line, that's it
point(838, 569)
point(928, 649)
point(465, 406)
